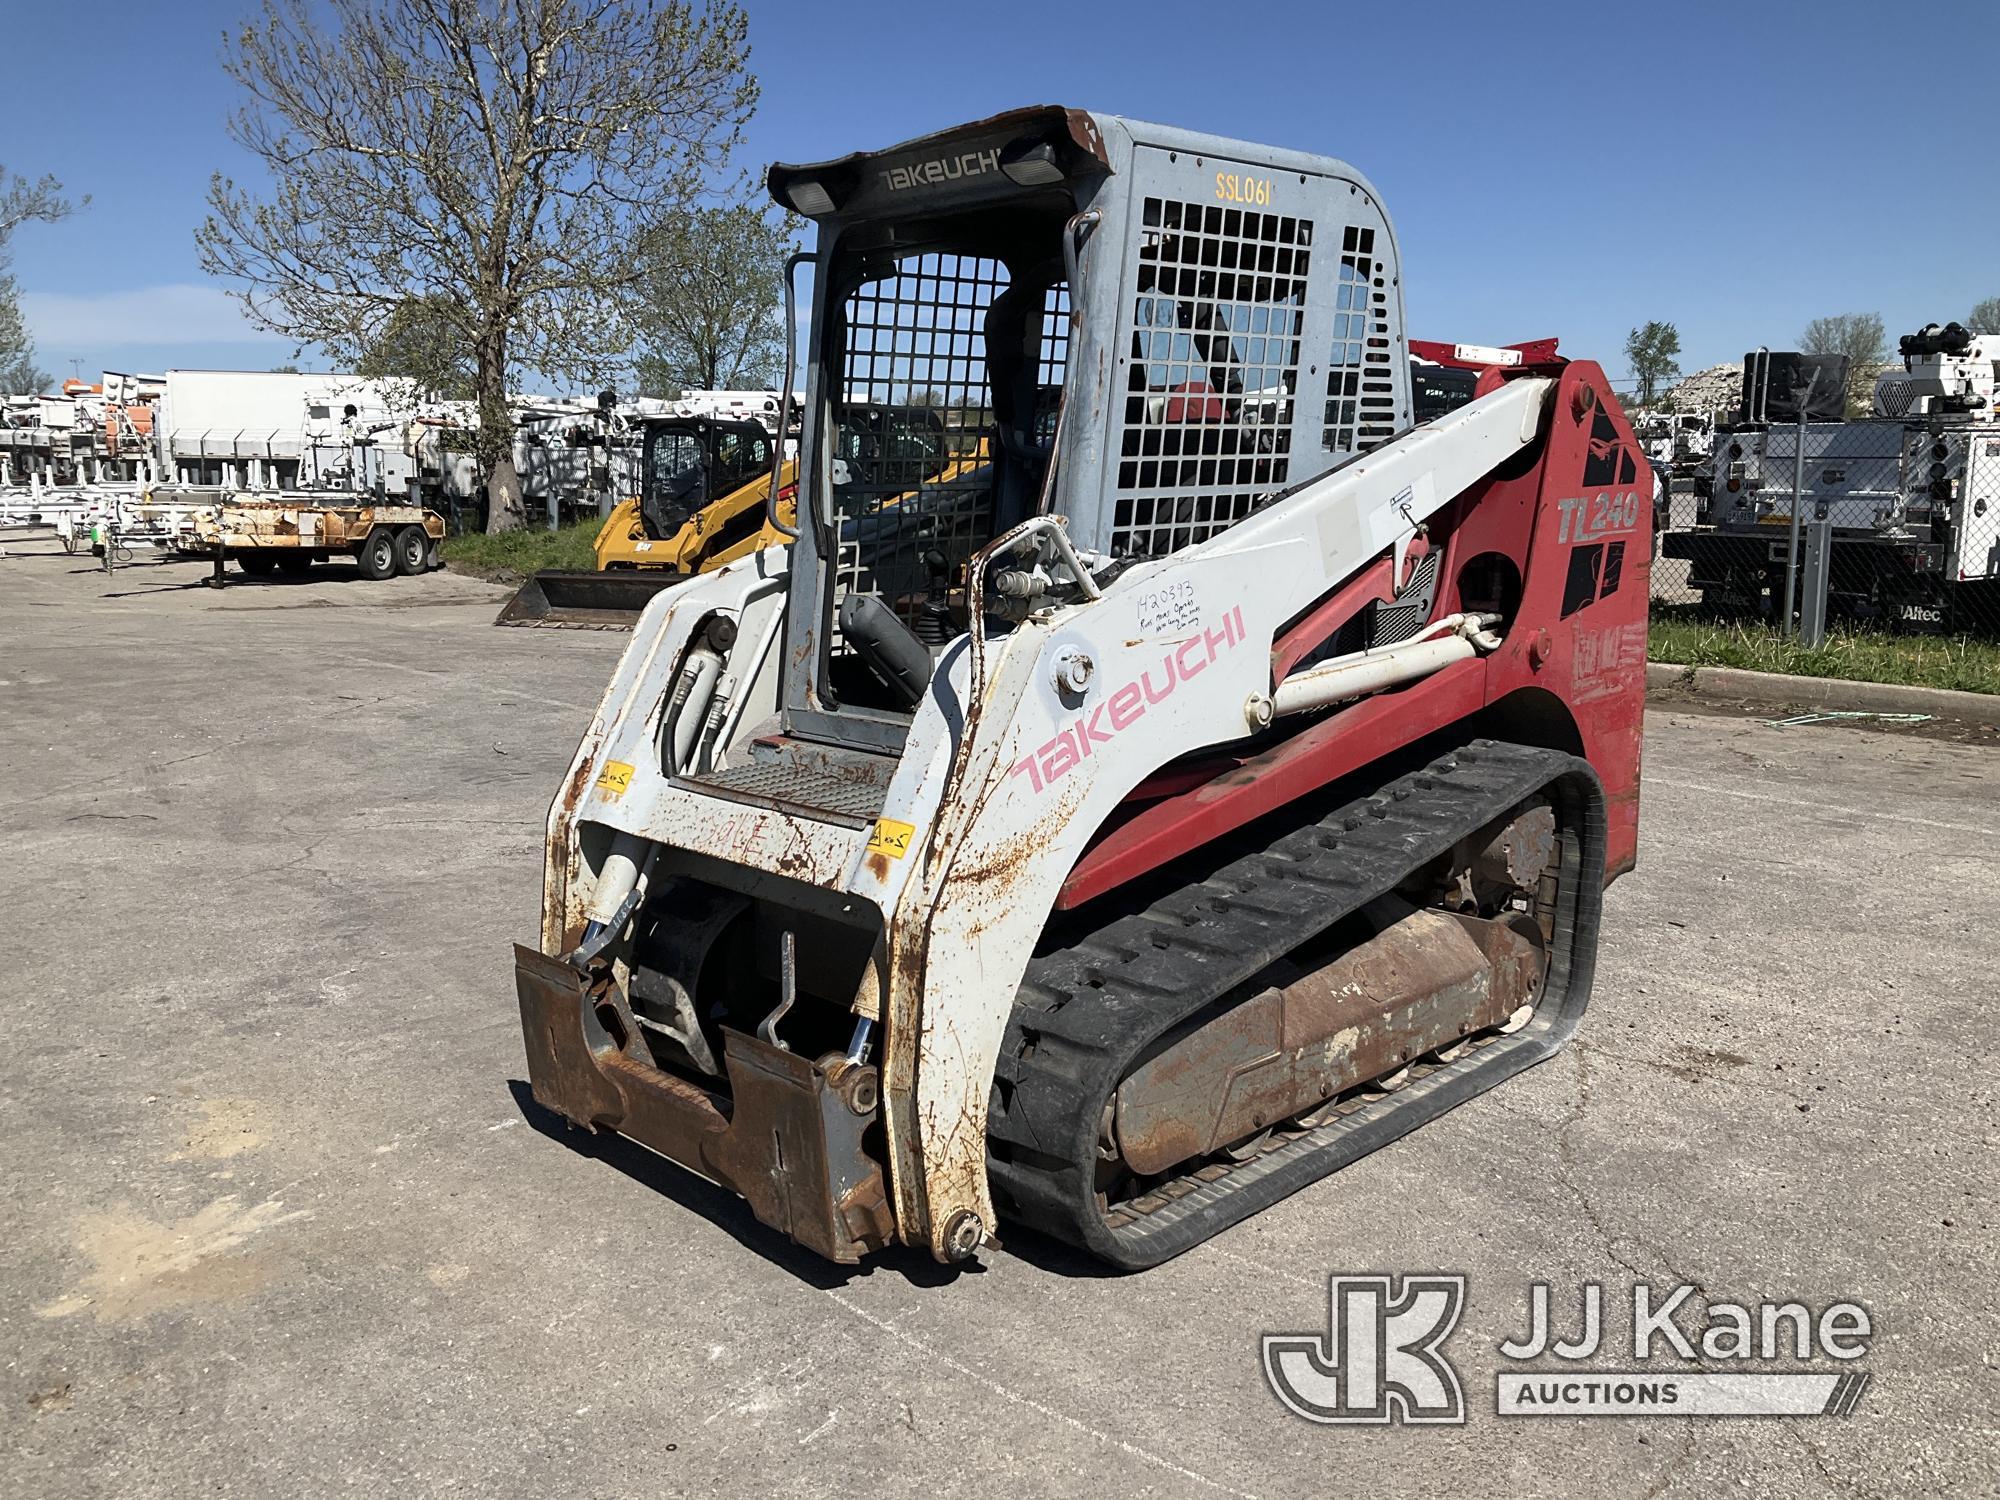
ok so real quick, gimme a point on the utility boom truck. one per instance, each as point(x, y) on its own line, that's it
point(1911, 492)
point(1208, 778)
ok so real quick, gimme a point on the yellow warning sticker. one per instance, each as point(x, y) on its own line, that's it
point(891, 838)
point(614, 778)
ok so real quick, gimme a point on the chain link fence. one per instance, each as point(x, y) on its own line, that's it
point(1885, 524)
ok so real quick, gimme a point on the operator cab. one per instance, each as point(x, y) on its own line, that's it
point(1234, 328)
point(691, 461)
point(937, 376)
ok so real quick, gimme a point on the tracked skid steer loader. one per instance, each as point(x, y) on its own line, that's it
point(1205, 778)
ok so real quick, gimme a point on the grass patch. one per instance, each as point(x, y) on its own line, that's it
point(513, 555)
point(1859, 656)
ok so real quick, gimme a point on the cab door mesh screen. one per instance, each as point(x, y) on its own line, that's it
point(914, 442)
point(1360, 392)
point(1206, 435)
point(1052, 368)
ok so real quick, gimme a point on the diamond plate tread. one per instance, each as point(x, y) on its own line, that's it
point(799, 785)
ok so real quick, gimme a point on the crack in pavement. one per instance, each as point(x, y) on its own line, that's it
point(1791, 1430)
point(1567, 1175)
point(1566, 1167)
point(1018, 1398)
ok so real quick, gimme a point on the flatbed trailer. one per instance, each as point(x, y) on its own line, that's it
point(292, 532)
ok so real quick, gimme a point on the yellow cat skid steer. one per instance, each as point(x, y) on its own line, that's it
point(673, 530)
point(702, 503)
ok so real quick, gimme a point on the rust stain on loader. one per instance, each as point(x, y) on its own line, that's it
point(1420, 984)
point(787, 1138)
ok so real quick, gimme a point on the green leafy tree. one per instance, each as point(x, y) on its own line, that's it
point(19, 374)
point(23, 202)
point(501, 161)
point(421, 343)
point(1861, 338)
point(1651, 351)
point(1985, 316)
point(709, 311)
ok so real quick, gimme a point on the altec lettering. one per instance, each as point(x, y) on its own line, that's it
point(942, 169)
point(1114, 713)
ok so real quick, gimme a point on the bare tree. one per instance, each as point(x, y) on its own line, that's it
point(1985, 316)
point(1651, 351)
point(23, 202)
point(499, 160)
point(1860, 337)
point(708, 312)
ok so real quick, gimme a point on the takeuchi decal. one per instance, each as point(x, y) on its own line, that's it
point(942, 169)
point(1115, 712)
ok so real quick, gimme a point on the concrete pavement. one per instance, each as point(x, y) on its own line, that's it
point(278, 1217)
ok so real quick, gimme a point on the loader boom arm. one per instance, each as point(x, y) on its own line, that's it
point(1040, 768)
point(1348, 516)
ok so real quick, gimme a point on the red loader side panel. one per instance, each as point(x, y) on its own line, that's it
point(1562, 547)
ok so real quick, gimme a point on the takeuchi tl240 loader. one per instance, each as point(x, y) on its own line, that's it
point(1115, 835)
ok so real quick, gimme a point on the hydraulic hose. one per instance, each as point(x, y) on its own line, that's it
point(598, 936)
point(686, 717)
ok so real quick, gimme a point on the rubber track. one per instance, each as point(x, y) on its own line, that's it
point(1086, 1012)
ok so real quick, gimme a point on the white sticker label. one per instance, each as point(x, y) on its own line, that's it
point(1169, 609)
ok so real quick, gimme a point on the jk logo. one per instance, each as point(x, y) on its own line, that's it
point(1379, 1359)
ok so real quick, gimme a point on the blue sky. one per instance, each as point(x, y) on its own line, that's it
point(1735, 169)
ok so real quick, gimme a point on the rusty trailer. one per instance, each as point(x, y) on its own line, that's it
point(290, 533)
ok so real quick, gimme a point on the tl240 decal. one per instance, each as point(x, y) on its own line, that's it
point(1589, 517)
